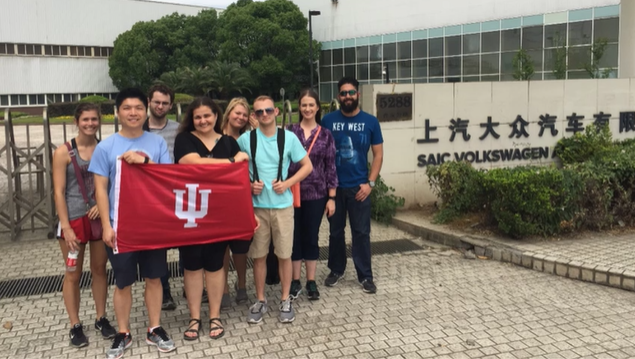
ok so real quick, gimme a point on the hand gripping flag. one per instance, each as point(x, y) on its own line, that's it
point(166, 206)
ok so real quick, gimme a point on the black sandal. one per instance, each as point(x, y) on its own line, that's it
point(190, 330)
point(217, 325)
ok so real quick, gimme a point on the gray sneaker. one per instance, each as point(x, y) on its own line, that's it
point(241, 295)
point(287, 315)
point(225, 302)
point(121, 342)
point(256, 312)
point(160, 338)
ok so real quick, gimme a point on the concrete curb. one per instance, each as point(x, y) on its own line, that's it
point(593, 273)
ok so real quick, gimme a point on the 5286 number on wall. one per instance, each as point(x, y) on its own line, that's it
point(394, 107)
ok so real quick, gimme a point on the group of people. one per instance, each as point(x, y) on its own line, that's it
point(326, 157)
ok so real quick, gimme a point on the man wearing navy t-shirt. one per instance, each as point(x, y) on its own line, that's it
point(355, 132)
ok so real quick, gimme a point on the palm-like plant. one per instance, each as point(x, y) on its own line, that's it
point(229, 78)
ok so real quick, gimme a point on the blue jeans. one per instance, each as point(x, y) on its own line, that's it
point(359, 217)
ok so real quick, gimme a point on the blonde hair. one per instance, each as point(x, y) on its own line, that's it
point(230, 107)
point(263, 98)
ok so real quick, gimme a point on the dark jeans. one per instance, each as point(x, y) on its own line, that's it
point(359, 217)
point(307, 229)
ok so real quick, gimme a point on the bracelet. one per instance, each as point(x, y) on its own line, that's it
point(146, 160)
point(331, 198)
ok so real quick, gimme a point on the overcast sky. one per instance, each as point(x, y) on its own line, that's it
point(211, 3)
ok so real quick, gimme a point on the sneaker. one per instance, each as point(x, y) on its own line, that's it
point(168, 302)
point(103, 325)
point(256, 312)
point(287, 315)
point(121, 342)
point(225, 302)
point(312, 290)
point(241, 295)
point(368, 286)
point(296, 289)
point(77, 336)
point(160, 338)
point(332, 279)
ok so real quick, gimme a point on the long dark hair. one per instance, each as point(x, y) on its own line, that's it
point(308, 92)
point(188, 119)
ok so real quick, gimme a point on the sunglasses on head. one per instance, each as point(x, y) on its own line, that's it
point(349, 92)
point(269, 111)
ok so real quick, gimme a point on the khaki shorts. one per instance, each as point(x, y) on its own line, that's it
point(276, 225)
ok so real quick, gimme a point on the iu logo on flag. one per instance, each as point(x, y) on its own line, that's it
point(191, 214)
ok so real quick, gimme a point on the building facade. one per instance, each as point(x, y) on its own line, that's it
point(57, 51)
point(425, 41)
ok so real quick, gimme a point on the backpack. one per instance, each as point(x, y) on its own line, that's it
point(253, 142)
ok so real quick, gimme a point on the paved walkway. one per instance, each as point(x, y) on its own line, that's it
point(431, 303)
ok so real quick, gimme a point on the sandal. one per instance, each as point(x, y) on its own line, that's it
point(190, 330)
point(217, 324)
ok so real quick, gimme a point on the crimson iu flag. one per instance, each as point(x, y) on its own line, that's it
point(166, 206)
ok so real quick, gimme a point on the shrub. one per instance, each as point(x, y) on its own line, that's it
point(94, 99)
point(584, 146)
point(459, 186)
point(183, 98)
point(68, 108)
point(384, 203)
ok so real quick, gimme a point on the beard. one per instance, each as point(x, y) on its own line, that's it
point(156, 115)
point(349, 105)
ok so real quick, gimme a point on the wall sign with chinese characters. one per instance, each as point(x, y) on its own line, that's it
point(517, 130)
point(394, 107)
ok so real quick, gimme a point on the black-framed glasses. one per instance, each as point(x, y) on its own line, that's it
point(269, 111)
point(349, 92)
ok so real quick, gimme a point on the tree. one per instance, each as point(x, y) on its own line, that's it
point(523, 66)
point(270, 39)
point(597, 50)
point(560, 58)
point(229, 78)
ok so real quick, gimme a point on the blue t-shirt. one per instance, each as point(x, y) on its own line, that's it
point(104, 160)
point(267, 159)
point(353, 137)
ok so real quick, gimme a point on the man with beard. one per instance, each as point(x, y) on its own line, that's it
point(355, 132)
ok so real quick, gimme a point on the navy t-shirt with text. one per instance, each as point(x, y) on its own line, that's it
point(353, 137)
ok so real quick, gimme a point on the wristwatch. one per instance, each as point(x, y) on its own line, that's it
point(231, 159)
point(371, 184)
point(146, 160)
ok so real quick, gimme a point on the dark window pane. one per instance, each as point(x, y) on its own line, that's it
point(110, 54)
point(550, 59)
point(349, 56)
point(362, 72)
point(23, 100)
point(453, 46)
point(73, 50)
point(325, 92)
point(555, 35)
point(507, 60)
point(63, 50)
point(578, 57)
point(536, 59)
point(21, 49)
point(510, 40)
point(580, 33)
point(471, 44)
point(10, 49)
point(88, 51)
point(375, 71)
point(453, 66)
point(608, 29)
point(80, 51)
point(338, 57)
point(491, 41)
point(436, 67)
point(404, 69)
point(390, 52)
point(453, 79)
point(57, 98)
point(14, 100)
point(490, 78)
point(48, 50)
point(349, 70)
point(338, 72)
point(325, 74)
point(56, 50)
point(471, 65)
point(420, 80)
point(4, 100)
point(404, 50)
point(40, 100)
point(325, 57)
point(420, 68)
point(436, 80)
point(609, 59)
point(436, 47)
point(490, 64)
point(3, 48)
point(375, 53)
point(392, 70)
point(37, 49)
point(532, 38)
point(577, 75)
point(420, 49)
point(32, 99)
point(362, 54)
point(471, 79)
point(29, 49)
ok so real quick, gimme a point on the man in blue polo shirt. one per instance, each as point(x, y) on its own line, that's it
point(355, 132)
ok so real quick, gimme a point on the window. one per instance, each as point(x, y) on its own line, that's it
point(362, 72)
point(507, 62)
point(73, 50)
point(40, 100)
point(21, 49)
point(338, 57)
point(88, 51)
point(37, 49)
point(4, 100)
point(80, 50)
point(453, 46)
point(48, 50)
point(10, 49)
point(491, 41)
point(453, 66)
point(419, 49)
point(349, 71)
point(404, 50)
point(57, 98)
point(3, 48)
point(555, 35)
point(436, 47)
point(610, 57)
point(580, 33)
point(404, 69)
point(510, 40)
point(490, 78)
point(390, 52)
point(532, 38)
point(29, 49)
point(338, 72)
point(349, 56)
point(56, 50)
point(375, 53)
point(471, 44)
point(490, 64)
point(436, 67)
point(536, 59)
point(608, 29)
point(325, 58)
point(325, 73)
point(362, 54)
point(33, 99)
point(64, 50)
point(375, 71)
point(471, 65)
point(579, 57)
point(15, 100)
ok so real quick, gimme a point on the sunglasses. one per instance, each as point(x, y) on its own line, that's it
point(269, 111)
point(349, 92)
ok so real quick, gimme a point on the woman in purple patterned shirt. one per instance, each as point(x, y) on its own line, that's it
point(317, 192)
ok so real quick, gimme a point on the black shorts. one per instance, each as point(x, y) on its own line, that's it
point(210, 256)
point(152, 264)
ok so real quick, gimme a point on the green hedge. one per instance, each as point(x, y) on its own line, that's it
point(68, 108)
point(594, 189)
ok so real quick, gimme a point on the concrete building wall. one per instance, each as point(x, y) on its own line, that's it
point(503, 101)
